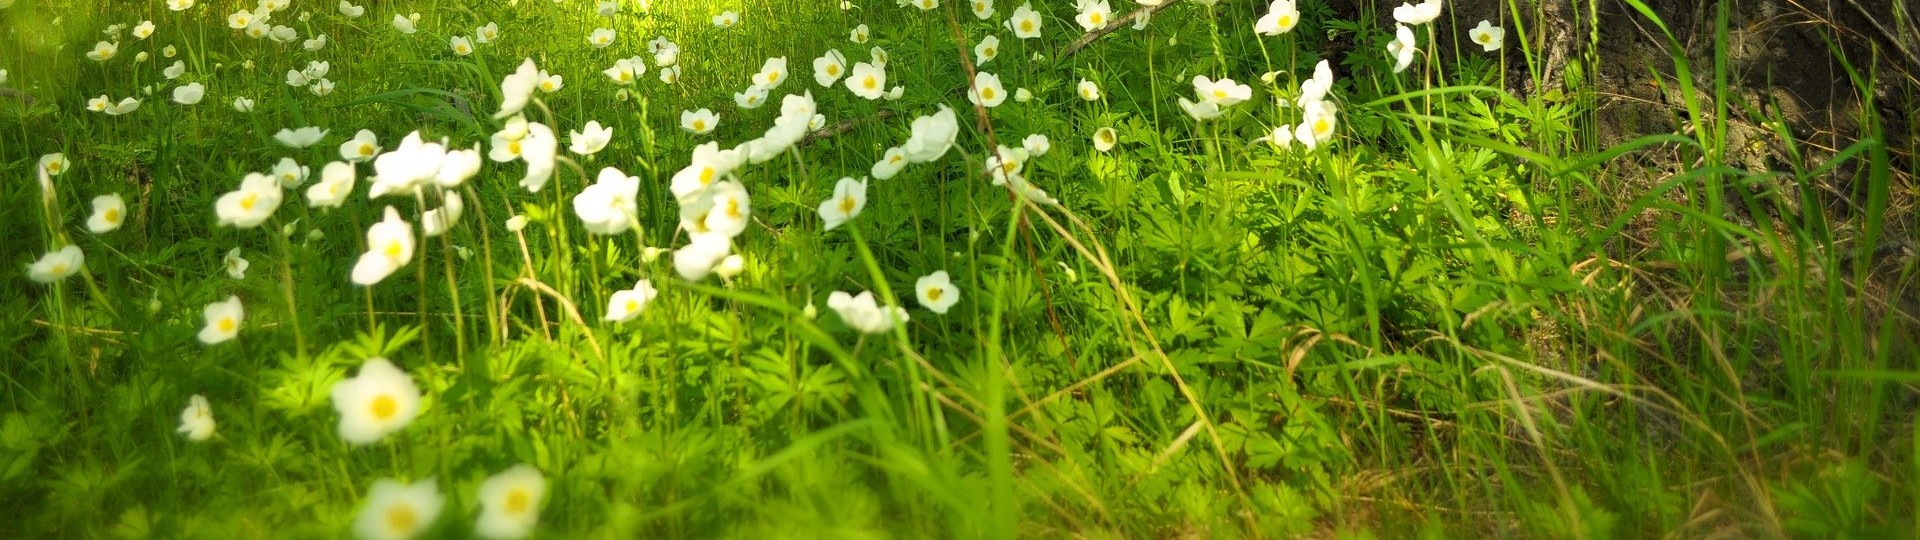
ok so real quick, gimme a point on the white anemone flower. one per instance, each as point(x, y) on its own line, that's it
point(890, 164)
point(1037, 144)
point(608, 206)
point(864, 314)
point(144, 30)
point(849, 198)
point(550, 83)
point(363, 147)
point(752, 98)
point(772, 74)
point(936, 292)
point(243, 104)
point(461, 45)
point(859, 35)
point(982, 9)
point(298, 139)
point(103, 51)
point(1402, 48)
point(351, 11)
point(403, 24)
point(1104, 139)
point(1088, 90)
point(705, 251)
point(315, 44)
point(1487, 36)
point(510, 500)
point(1281, 17)
point(868, 81)
point(245, 208)
point(389, 246)
point(986, 50)
point(290, 173)
point(376, 402)
point(700, 122)
point(539, 149)
point(109, 212)
point(932, 136)
point(1025, 22)
point(57, 265)
point(438, 221)
point(1417, 14)
point(1223, 92)
point(726, 19)
point(397, 511)
point(223, 321)
point(196, 421)
point(624, 305)
point(1093, 14)
point(829, 68)
point(517, 88)
point(235, 265)
point(591, 139)
point(601, 38)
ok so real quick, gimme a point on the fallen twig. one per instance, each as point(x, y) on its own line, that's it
point(1085, 40)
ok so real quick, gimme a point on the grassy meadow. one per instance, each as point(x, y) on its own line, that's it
point(939, 269)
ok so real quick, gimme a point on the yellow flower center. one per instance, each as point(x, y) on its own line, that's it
point(990, 52)
point(833, 70)
point(846, 204)
point(517, 500)
point(112, 215)
point(774, 76)
point(869, 82)
point(1486, 38)
point(626, 76)
point(733, 208)
point(1286, 21)
point(226, 324)
point(1320, 126)
point(513, 147)
point(1026, 25)
point(393, 249)
point(632, 305)
point(59, 268)
point(366, 149)
point(986, 93)
point(401, 518)
point(1219, 94)
point(699, 125)
point(53, 167)
point(1097, 18)
point(706, 175)
point(384, 407)
point(547, 86)
point(247, 202)
point(934, 293)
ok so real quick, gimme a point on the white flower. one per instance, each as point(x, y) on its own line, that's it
point(438, 221)
point(397, 511)
point(987, 49)
point(987, 90)
point(486, 34)
point(403, 24)
point(890, 164)
point(1202, 110)
point(624, 71)
point(732, 209)
point(144, 30)
point(318, 42)
point(1281, 17)
point(1281, 138)
point(1315, 89)
point(516, 223)
point(180, 5)
point(752, 98)
point(403, 170)
point(55, 164)
point(1402, 48)
point(389, 247)
point(316, 70)
point(607, 8)
point(591, 139)
point(457, 167)
point(710, 164)
point(1488, 36)
point(1093, 14)
point(1224, 92)
point(351, 11)
point(243, 104)
point(539, 149)
point(695, 261)
point(461, 45)
point(240, 20)
point(510, 501)
point(1104, 139)
point(726, 19)
point(377, 401)
point(829, 68)
point(608, 206)
point(864, 314)
point(1037, 144)
point(109, 211)
point(849, 198)
point(297, 79)
point(932, 136)
point(601, 38)
point(1025, 22)
point(1022, 95)
point(196, 421)
point(772, 74)
point(56, 265)
point(550, 83)
point(1417, 14)
point(936, 292)
point(103, 51)
point(624, 305)
point(1088, 90)
point(125, 106)
point(1316, 125)
point(859, 35)
point(189, 94)
point(300, 138)
point(290, 173)
point(174, 71)
point(700, 122)
point(730, 267)
point(283, 34)
point(235, 264)
point(868, 81)
point(259, 195)
point(223, 321)
point(982, 9)
point(670, 74)
point(517, 88)
point(924, 5)
point(364, 146)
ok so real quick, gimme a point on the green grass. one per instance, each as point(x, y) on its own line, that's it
point(1463, 317)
